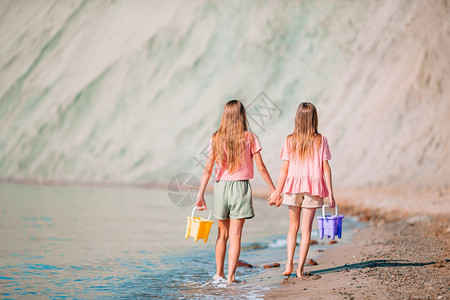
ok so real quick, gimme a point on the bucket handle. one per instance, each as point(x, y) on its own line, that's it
point(193, 210)
point(327, 205)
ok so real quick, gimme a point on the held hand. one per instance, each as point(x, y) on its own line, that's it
point(279, 201)
point(275, 199)
point(201, 204)
point(271, 201)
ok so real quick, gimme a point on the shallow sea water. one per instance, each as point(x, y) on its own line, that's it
point(85, 242)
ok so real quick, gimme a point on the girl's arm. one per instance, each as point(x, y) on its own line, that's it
point(275, 198)
point(201, 204)
point(328, 183)
point(263, 171)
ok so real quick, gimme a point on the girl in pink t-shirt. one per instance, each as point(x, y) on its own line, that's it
point(232, 148)
point(304, 180)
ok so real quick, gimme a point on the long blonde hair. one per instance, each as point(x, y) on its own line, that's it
point(228, 142)
point(305, 137)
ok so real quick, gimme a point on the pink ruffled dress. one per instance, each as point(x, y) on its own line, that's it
point(306, 176)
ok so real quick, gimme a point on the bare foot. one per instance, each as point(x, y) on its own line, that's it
point(300, 273)
point(288, 270)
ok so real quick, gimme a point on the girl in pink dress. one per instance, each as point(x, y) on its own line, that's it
point(304, 180)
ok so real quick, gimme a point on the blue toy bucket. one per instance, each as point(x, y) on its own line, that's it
point(330, 226)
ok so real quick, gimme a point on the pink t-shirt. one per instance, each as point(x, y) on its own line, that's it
point(306, 176)
point(245, 172)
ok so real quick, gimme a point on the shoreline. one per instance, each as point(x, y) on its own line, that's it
point(403, 254)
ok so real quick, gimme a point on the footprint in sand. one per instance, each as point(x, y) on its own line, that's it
point(310, 276)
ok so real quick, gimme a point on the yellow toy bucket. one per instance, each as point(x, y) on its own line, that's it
point(198, 227)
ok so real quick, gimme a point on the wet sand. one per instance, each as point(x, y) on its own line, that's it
point(404, 254)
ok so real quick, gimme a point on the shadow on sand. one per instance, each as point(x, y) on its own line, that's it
point(372, 264)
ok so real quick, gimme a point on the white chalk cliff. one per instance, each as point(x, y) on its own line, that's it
point(130, 91)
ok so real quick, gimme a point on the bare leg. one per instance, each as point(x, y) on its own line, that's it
point(235, 247)
point(221, 246)
point(294, 223)
point(307, 220)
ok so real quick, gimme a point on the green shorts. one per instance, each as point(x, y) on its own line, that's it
point(233, 200)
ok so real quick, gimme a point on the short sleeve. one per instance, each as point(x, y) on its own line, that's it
point(326, 150)
point(256, 145)
point(285, 154)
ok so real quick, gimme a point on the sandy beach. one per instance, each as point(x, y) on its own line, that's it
point(401, 255)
